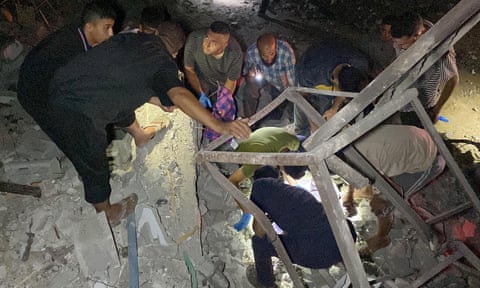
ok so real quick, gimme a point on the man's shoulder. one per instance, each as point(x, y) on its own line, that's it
point(284, 45)
point(234, 46)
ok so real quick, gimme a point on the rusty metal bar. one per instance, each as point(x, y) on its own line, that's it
point(259, 217)
point(449, 27)
point(339, 225)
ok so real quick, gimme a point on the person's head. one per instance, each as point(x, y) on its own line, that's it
point(151, 17)
point(296, 172)
point(172, 36)
point(267, 48)
point(266, 172)
point(98, 18)
point(349, 79)
point(216, 39)
point(406, 30)
point(386, 28)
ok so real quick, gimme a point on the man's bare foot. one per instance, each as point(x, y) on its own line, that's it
point(147, 135)
point(122, 209)
point(118, 211)
point(149, 131)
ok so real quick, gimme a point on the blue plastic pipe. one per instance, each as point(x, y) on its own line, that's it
point(132, 251)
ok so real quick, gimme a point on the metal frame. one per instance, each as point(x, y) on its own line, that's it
point(322, 145)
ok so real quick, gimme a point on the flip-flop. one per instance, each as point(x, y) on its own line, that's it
point(127, 205)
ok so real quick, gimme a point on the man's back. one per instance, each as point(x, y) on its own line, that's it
point(116, 77)
point(316, 65)
point(50, 54)
point(308, 237)
point(398, 149)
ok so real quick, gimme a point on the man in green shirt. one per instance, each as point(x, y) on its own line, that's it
point(264, 140)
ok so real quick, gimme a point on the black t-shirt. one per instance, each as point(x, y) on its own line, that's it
point(109, 82)
point(41, 62)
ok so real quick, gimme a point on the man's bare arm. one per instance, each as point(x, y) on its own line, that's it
point(192, 79)
point(230, 85)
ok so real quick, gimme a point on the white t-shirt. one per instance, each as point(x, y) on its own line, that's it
point(398, 149)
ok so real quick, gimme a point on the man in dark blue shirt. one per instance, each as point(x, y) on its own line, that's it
point(306, 233)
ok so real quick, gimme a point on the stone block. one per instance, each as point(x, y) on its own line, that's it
point(94, 246)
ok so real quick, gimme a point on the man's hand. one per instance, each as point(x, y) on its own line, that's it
point(168, 109)
point(433, 113)
point(205, 101)
point(329, 113)
point(237, 128)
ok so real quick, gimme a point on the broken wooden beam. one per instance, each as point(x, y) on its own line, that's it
point(20, 189)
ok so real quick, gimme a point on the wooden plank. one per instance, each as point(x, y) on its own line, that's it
point(442, 148)
point(320, 152)
point(339, 225)
point(352, 133)
point(352, 176)
point(259, 217)
point(326, 92)
point(447, 214)
point(361, 164)
point(255, 158)
point(251, 120)
point(468, 254)
point(20, 189)
point(436, 269)
point(446, 28)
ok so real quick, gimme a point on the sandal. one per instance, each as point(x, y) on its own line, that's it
point(350, 208)
point(127, 206)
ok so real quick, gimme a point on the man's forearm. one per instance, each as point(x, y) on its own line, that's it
point(193, 80)
point(186, 101)
point(230, 85)
point(445, 94)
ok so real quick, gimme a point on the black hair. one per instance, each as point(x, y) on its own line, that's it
point(266, 172)
point(98, 9)
point(154, 15)
point(388, 19)
point(296, 172)
point(406, 25)
point(220, 27)
point(350, 79)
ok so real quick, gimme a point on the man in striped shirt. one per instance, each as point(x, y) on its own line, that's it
point(269, 68)
point(436, 85)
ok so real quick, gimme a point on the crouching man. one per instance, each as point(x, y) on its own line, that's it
point(300, 221)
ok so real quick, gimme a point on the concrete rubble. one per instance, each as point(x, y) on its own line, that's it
point(59, 241)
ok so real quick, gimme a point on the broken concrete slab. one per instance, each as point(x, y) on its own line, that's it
point(95, 247)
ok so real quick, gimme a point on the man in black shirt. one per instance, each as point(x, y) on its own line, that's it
point(104, 87)
point(298, 218)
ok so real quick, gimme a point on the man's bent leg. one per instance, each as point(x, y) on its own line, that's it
point(263, 252)
point(413, 182)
